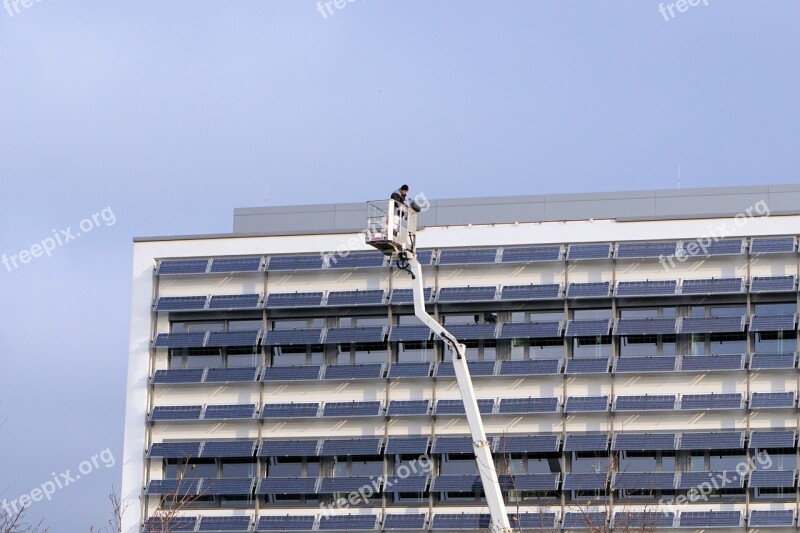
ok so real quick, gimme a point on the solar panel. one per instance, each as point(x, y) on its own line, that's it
point(710, 519)
point(292, 337)
point(286, 523)
point(646, 288)
point(293, 299)
point(408, 484)
point(456, 407)
point(467, 294)
point(456, 483)
point(290, 410)
point(702, 402)
point(351, 409)
point(353, 522)
point(586, 442)
point(770, 518)
point(760, 479)
point(230, 412)
point(476, 369)
point(510, 406)
point(404, 521)
point(771, 245)
point(587, 366)
point(772, 323)
point(643, 250)
point(472, 331)
point(772, 439)
point(532, 367)
point(234, 301)
point(176, 412)
point(227, 487)
point(287, 485)
point(178, 376)
point(767, 361)
point(365, 297)
point(531, 254)
point(370, 334)
point(589, 290)
point(409, 334)
point(348, 372)
point(541, 521)
point(175, 450)
point(472, 521)
point(408, 407)
point(761, 284)
point(643, 520)
point(530, 482)
point(655, 402)
point(726, 247)
point(177, 487)
point(231, 375)
point(291, 373)
point(224, 523)
point(708, 363)
point(627, 365)
point(588, 328)
point(236, 264)
point(645, 326)
point(406, 296)
point(712, 286)
point(768, 400)
point(692, 480)
point(548, 291)
point(232, 338)
point(407, 445)
point(295, 262)
point(586, 404)
point(329, 485)
point(713, 324)
point(180, 340)
point(586, 481)
point(347, 447)
point(530, 330)
point(356, 260)
point(288, 448)
point(584, 520)
point(424, 257)
point(643, 441)
point(181, 303)
point(582, 252)
point(467, 256)
point(643, 481)
point(235, 448)
point(526, 444)
point(176, 523)
point(182, 266)
point(409, 370)
point(713, 440)
point(459, 444)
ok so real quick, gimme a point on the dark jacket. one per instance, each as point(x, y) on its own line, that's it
point(397, 197)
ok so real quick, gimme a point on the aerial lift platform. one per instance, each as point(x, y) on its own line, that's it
point(392, 229)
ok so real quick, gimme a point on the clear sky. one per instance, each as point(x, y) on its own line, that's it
point(170, 114)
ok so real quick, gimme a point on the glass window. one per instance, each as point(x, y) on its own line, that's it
point(776, 342)
point(455, 465)
point(204, 361)
point(589, 462)
point(243, 360)
point(639, 345)
point(290, 324)
point(592, 346)
point(638, 462)
point(408, 320)
point(196, 468)
point(727, 461)
point(244, 325)
point(415, 352)
point(461, 319)
point(232, 469)
point(639, 313)
point(285, 467)
point(728, 343)
point(729, 311)
point(776, 309)
point(591, 314)
point(366, 467)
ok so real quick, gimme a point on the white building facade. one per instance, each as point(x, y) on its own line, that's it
point(637, 372)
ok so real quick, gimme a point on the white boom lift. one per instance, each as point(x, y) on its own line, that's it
point(392, 229)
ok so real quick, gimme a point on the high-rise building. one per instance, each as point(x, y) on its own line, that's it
point(634, 355)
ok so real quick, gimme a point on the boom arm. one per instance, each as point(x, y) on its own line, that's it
point(480, 444)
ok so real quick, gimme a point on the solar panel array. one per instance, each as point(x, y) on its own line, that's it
point(642, 250)
point(406, 296)
point(235, 301)
point(408, 408)
point(409, 334)
point(719, 440)
point(232, 338)
point(531, 367)
point(588, 328)
point(409, 370)
point(586, 404)
point(702, 519)
point(235, 264)
point(465, 332)
point(347, 447)
point(773, 322)
point(712, 363)
point(589, 290)
point(547, 291)
point(772, 245)
point(224, 523)
point(704, 402)
point(456, 407)
point(181, 303)
point(467, 294)
point(646, 288)
point(530, 330)
point(409, 521)
point(527, 405)
point(365, 297)
point(295, 262)
point(467, 256)
point(290, 410)
point(293, 299)
point(712, 286)
point(182, 266)
point(351, 409)
point(587, 366)
point(286, 523)
point(583, 252)
point(772, 439)
point(766, 361)
point(531, 254)
point(773, 479)
point(586, 442)
point(356, 260)
point(771, 400)
point(762, 284)
point(771, 518)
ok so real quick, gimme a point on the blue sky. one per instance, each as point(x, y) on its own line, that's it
point(171, 114)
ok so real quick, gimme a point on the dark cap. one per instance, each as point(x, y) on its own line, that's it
point(404, 187)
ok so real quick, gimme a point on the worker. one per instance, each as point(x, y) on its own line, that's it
point(400, 194)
